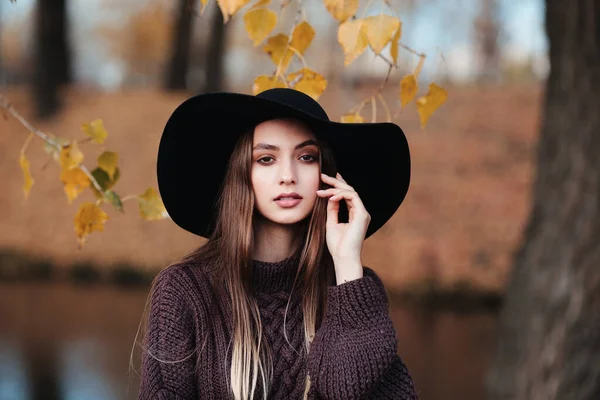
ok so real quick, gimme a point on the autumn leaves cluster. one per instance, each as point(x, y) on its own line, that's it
point(355, 35)
point(75, 178)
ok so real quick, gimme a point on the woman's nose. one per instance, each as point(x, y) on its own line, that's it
point(287, 172)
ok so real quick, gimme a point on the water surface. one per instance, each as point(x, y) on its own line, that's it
point(62, 341)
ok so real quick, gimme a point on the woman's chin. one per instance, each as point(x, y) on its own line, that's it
point(293, 217)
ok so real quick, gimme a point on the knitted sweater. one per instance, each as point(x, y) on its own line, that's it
point(353, 354)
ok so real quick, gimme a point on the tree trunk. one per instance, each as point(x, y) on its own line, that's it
point(215, 53)
point(176, 77)
point(52, 55)
point(549, 340)
point(487, 30)
point(60, 39)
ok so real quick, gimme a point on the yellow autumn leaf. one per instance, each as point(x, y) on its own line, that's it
point(230, 7)
point(352, 118)
point(89, 218)
point(259, 23)
point(308, 82)
point(151, 205)
point(426, 105)
point(277, 48)
point(353, 39)
point(380, 30)
point(342, 9)
point(408, 89)
point(74, 182)
point(394, 45)
point(302, 36)
point(70, 156)
point(25, 167)
point(28, 179)
point(264, 82)
point(108, 161)
point(96, 131)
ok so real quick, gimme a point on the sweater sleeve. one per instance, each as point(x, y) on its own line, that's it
point(168, 356)
point(354, 352)
point(396, 383)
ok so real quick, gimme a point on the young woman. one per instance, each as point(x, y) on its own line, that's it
point(276, 304)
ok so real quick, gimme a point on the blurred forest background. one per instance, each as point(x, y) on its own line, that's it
point(131, 63)
point(491, 262)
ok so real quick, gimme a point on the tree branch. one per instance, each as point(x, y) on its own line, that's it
point(5, 104)
point(405, 47)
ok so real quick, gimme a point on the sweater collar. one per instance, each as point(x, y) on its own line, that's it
point(275, 276)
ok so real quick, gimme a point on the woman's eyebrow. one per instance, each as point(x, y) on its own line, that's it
point(266, 146)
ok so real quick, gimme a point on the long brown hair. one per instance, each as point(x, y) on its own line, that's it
point(229, 251)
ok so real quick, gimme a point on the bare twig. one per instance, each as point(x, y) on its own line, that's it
point(362, 15)
point(373, 109)
point(405, 47)
point(359, 106)
point(299, 12)
point(129, 197)
point(385, 106)
point(387, 77)
point(4, 103)
point(91, 177)
point(387, 3)
point(387, 60)
point(300, 56)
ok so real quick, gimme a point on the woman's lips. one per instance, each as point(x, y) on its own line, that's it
point(287, 202)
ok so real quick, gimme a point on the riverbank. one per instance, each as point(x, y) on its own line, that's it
point(19, 267)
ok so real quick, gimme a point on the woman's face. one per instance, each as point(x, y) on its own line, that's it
point(285, 162)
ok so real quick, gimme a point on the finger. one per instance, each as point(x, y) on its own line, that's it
point(336, 182)
point(356, 208)
point(339, 176)
point(333, 207)
point(332, 192)
point(329, 192)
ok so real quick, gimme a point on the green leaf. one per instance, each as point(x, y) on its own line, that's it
point(112, 198)
point(104, 180)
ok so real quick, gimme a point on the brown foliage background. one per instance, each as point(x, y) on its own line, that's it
point(460, 222)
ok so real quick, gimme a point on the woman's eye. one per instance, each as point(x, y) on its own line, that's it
point(310, 157)
point(264, 160)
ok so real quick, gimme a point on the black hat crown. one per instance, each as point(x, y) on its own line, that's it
point(296, 99)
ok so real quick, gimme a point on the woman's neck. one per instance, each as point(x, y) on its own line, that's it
point(274, 242)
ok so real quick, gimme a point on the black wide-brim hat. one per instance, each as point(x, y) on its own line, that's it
point(200, 135)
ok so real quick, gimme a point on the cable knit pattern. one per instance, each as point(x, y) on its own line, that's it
point(353, 355)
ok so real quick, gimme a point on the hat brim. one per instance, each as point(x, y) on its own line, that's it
point(200, 135)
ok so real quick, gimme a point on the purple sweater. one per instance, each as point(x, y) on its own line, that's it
point(353, 355)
